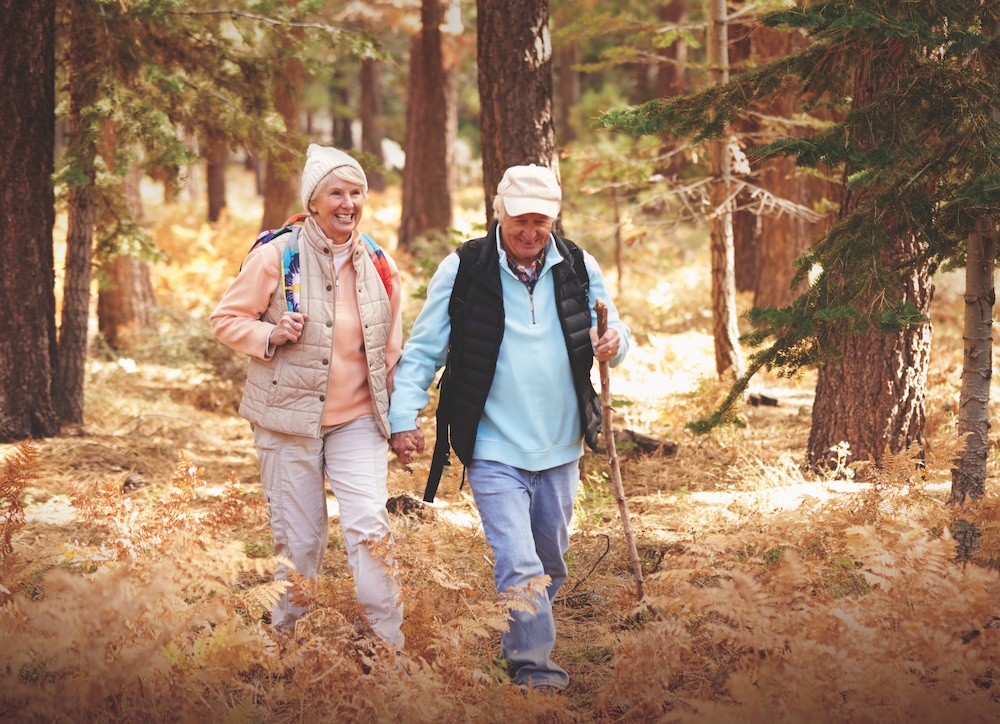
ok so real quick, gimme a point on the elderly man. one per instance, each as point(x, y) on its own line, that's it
point(511, 316)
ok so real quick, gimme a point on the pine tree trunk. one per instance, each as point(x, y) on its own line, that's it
point(514, 54)
point(724, 328)
point(784, 237)
point(282, 175)
point(217, 157)
point(746, 220)
point(968, 477)
point(431, 128)
point(83, 92)
point(874, 397)
point(343, 137)
point(126, 307)
point(27, 281)
point(671, 81)
point(569, 91)
point(371, 125)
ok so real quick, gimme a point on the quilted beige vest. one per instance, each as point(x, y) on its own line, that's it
point(287, 393)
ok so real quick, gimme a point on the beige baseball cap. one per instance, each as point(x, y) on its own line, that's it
point(530, 190)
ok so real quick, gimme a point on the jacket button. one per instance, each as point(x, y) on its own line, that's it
point(329, 323)
point(322, 398)
point(326, 361)
point(329, 287)
point(274, 382)
point(326, 251)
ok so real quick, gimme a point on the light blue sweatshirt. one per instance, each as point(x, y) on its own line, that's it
point(531, 419)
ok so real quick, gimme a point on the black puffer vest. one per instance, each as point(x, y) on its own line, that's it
point(477, 325)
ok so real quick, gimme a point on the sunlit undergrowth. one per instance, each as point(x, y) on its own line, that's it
point(134, 578)
point(850, 608)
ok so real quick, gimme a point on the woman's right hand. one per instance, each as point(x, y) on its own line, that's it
point(289, 328)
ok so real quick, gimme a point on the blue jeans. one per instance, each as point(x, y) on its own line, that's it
point(526, 518)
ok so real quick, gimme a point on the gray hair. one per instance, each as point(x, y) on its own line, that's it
point(499, 209)
point(345, 173)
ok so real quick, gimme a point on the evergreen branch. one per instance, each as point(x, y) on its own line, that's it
point(267, 20)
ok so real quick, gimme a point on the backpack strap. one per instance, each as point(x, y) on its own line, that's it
point(379, 260)
point(441, 456)
point(290, 259)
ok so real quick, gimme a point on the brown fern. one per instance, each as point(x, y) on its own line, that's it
point(18, 471)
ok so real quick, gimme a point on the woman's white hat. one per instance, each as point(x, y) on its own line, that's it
point(320, 161)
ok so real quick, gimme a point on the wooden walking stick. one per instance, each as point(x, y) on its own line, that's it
point(609, 441)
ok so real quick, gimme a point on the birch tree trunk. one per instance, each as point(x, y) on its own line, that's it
point(968, 477)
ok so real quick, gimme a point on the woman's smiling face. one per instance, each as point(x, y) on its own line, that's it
point(337, 207)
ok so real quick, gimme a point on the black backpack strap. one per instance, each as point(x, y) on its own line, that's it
point(439, 459)
point(578, 264)
point(442, 445)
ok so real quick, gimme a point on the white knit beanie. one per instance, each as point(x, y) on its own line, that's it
point(320, 161)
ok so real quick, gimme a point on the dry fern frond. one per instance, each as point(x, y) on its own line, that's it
point(187, 480)
point(892, 487)
point(526, 599)
point(262, 597)
point(17, 473)
point(233, 507)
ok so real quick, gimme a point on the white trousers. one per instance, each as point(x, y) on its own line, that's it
point(353, 457)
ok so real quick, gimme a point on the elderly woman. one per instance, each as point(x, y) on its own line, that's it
point(317, 310)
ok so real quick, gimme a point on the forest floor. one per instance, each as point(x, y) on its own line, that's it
point(137, 580)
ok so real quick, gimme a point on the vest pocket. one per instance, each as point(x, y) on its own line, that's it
point(276, 375)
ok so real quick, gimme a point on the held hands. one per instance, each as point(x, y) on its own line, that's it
point(404, 444)
point(289, 328)
point(607, 346)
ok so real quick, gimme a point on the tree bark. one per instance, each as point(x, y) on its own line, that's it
point(569, 91)
point(874, 397)
point(28, 353)
point(514, 54)
point(217, 156)
point(127, 305)
point(728, 357)
point(671, 82)
point(83, 93)
point(281, 179)
point(342, 120)
point(371, 124)
point(746, 220)
point(431, 129)
point(784, 237)
point(968, 477)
